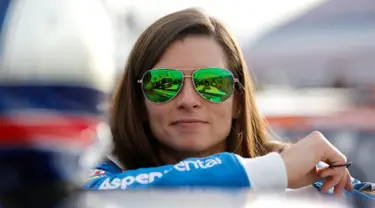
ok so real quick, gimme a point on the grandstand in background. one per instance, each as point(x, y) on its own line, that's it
point(333, 45)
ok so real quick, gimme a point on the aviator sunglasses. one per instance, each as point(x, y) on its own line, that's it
point(213, 84)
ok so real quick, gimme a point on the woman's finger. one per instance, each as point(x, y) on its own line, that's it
point(339, 188)
point(349, 185)
point(327, 184)
point(326, 172)
point(333, 176)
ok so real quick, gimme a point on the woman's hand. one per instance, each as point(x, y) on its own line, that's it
point(301, 159)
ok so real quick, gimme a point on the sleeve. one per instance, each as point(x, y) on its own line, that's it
point(362, 190)
point(223, 170)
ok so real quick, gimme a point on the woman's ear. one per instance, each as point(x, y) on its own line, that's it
point(236, 109)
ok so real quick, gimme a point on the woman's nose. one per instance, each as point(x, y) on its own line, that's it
point(188, 96)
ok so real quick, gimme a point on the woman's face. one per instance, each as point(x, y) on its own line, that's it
point(188, 123)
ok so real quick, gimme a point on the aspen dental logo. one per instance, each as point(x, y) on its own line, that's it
point(150, 177)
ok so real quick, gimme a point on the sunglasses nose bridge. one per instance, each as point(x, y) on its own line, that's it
point(188, 87)
point(188, 76)
point(189, 79)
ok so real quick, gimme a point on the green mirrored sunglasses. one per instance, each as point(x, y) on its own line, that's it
point(213, 84)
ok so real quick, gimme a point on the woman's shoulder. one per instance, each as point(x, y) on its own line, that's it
point(107, 166)
point(104, 169)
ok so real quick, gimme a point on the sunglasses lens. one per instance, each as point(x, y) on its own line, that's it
point(161, 85)
point(214, 84)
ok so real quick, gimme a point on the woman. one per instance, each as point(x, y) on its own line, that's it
point(168, 109)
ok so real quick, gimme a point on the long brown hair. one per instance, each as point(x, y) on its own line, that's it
point(135, 145)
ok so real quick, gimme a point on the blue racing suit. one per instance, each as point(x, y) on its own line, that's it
point(219, 170)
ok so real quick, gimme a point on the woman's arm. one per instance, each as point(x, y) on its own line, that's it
point(223, 170)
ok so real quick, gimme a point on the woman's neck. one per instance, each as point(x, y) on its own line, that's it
point(173, 156)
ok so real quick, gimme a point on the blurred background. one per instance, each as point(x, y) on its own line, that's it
point(312, 62)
